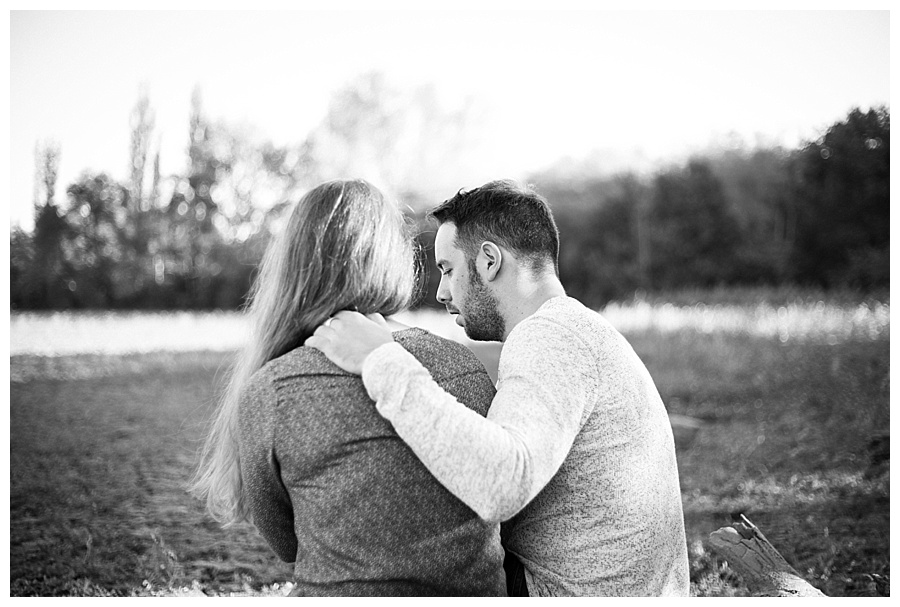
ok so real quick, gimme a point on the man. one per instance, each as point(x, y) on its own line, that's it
point(576, 452)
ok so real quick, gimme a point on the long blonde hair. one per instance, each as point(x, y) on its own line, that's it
point(344, 247)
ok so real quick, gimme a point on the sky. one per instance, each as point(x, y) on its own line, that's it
point(556, 86)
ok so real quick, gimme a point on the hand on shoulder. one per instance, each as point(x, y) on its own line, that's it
point(347, 338)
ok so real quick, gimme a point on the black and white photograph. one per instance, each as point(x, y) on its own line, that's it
point(391, 299)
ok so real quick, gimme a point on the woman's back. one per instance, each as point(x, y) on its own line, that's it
point(332, 487)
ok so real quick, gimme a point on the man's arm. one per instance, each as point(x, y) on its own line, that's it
point(498, 464)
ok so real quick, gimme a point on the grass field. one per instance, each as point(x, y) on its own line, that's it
point(102, 445)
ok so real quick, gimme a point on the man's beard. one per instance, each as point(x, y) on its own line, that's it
point(482, 319)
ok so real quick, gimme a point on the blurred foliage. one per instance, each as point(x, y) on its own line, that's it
point(843, 199)
point(693, 233)
point(816, 216)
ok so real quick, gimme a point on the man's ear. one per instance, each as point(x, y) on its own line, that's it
point(491, 259)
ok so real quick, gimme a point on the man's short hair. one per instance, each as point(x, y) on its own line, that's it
point(507, 214)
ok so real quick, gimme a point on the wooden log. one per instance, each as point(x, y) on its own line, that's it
point(762, 567)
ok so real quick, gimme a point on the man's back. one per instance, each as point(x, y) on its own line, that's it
point(576, 449)
point(610, 520)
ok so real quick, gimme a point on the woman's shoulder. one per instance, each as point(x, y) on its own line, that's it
point(419, 339)
point(299, 362)
point(443, 357)
point(440, 355)
point(300, 371)
point(453, 366)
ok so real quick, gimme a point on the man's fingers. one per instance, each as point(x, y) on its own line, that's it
point(323, 330)
point(345, 315)
point(316, 341)
point(377, 318)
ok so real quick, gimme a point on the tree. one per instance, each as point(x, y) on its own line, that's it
point(44, 282)
point(604, 252)
point(694, 235)
point(842, 185)
point(213, 229)
point(757, 186)
point(137, 225)
point(94, 246)
point(21, 262)
point(402, 141)
point(142, 123)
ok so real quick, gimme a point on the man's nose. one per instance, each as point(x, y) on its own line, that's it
point(443, 293)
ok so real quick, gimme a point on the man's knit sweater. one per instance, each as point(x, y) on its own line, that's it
point(576, 449)
point(334, 490)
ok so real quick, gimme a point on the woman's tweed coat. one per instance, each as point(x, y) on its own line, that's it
point(334, 490)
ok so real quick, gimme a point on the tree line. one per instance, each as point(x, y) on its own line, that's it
point(816, 215)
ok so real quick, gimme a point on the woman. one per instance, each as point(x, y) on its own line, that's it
point(296, 444)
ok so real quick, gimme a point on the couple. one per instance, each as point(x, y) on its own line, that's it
point(572, 452)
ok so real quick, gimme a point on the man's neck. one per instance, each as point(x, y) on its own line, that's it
point(526, 297)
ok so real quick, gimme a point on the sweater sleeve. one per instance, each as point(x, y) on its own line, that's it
point(495, 465)
point(268, 501)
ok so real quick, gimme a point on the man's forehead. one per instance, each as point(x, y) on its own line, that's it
point(445, 248)
point(446, 236)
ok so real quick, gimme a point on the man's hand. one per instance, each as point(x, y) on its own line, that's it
point(348, 338)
